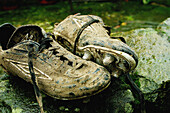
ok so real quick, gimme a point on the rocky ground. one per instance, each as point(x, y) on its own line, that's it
point(151, 75)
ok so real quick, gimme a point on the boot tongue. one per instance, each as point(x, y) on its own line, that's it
point(20, 34)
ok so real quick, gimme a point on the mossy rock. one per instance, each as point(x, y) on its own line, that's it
point(152, 48)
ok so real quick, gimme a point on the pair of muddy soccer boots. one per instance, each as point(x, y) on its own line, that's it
point(53, 63)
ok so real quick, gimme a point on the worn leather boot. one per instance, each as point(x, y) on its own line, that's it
point(88, 37)
point(33, 55)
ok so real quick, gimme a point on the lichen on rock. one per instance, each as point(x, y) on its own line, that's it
point(153, 52)
point(164, 28)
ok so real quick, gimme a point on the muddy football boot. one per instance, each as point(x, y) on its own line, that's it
point(33, 55)
point(87, 36)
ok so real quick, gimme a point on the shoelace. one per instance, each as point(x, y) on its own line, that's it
point(31, 52)
point(92, 20)
point(131, 82)
point(139, 92)
point(45, 43)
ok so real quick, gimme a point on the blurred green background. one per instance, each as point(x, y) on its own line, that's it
point(121, 15)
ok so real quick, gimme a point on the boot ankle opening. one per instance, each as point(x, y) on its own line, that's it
point(6, 30)
point(34, 32)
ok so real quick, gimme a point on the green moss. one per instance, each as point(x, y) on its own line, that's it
point(135, 78)
point(113, 14)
